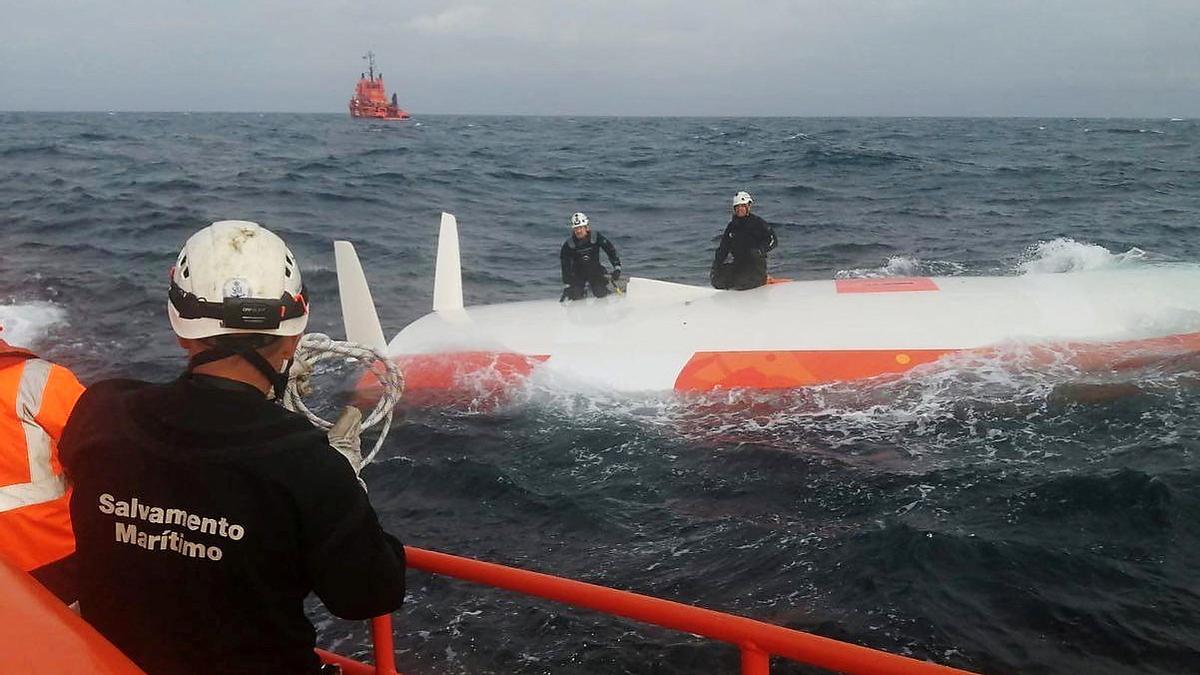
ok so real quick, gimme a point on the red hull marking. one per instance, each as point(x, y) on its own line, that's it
point(1125, 355)
point(456, 369)
point(887, 285)
point(786, 369)
point(427, 376)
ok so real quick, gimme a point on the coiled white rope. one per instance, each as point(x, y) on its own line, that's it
point(317, 347)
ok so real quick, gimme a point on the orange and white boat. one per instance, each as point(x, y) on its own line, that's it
point(661, 336)
point(370, 99)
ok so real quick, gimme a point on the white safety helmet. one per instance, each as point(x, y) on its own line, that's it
point(235, 277)
point(579, 220)
point(743, 197)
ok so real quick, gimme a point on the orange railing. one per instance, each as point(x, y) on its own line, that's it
point(385, 652)
point(757, 641)
point(45, 620)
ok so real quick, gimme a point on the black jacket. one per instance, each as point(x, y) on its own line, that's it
point(581, 258)
point(747, 239)
point(205, 515)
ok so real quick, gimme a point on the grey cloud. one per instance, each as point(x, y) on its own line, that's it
point(773, 57)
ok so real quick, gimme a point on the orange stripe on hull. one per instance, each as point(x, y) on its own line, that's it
point(1121, 355)
point(787, 369)
point(447, 371)
point(885, 285)
point(431, 379)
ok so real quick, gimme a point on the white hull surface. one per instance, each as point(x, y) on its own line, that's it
point(663, 336)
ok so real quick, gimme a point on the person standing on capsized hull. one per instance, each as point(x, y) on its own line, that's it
point(205, 513)
point(748, 239)
point(35, 521)
point(580, 257)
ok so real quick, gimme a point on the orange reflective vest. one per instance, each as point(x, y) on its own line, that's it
point(36, 397)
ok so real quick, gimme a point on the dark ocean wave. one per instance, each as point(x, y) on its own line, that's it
point(801, 189)
point(1124, 130)
point(39, 151)
point(329, 164)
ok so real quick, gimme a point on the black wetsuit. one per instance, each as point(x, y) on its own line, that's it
point(204, 515)
point(581, 265)
point(748, 240)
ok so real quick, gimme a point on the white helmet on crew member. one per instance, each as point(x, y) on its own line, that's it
point(741, 198)
point(235, 277)
point(579, 220)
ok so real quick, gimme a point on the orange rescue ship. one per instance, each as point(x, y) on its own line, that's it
point(370, 97)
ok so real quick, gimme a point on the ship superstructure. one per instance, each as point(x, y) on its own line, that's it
point(370, 96)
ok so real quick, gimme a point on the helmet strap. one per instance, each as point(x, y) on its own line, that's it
point(277, 379)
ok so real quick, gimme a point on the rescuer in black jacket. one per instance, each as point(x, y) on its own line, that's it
point(204, 513)
point(581, 261)
point(748, 239)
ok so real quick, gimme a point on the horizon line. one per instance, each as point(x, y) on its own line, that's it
point(603, 116)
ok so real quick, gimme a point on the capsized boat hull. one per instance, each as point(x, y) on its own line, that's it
point(663, 336)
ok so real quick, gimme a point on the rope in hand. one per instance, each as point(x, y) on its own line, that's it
point(317, 347)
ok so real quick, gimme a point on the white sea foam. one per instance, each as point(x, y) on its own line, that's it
point(1067, 255)
point(24, 325)
point(901, 266)
point(966, 408)
point(904, 266)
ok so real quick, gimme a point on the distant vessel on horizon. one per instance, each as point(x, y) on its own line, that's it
point(370, 97)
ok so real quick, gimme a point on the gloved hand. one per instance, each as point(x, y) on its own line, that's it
point(344, 436)
point(301, 373)
point(616, 273)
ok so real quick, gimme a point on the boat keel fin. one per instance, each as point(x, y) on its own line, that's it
point(447, 278)
point(358, 309)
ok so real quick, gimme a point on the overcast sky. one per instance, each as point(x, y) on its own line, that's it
point(610, 57)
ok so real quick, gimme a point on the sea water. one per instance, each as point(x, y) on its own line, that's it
point(984, 513)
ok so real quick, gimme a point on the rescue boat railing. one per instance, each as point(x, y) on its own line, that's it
point(384, 651)
point(758, 641)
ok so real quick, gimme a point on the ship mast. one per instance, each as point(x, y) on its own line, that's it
point(370, 59)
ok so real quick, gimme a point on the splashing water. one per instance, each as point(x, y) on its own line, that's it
point(905, 266)
point(1067, 255)
point(25, 324)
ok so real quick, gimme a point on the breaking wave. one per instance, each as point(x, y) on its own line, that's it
point(25, 325)
point(1067, 255)
point(906, 266)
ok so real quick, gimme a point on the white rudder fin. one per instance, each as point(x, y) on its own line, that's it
point(358, 309)
point(447, 277)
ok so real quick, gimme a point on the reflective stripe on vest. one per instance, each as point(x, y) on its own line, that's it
point(44, 485)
